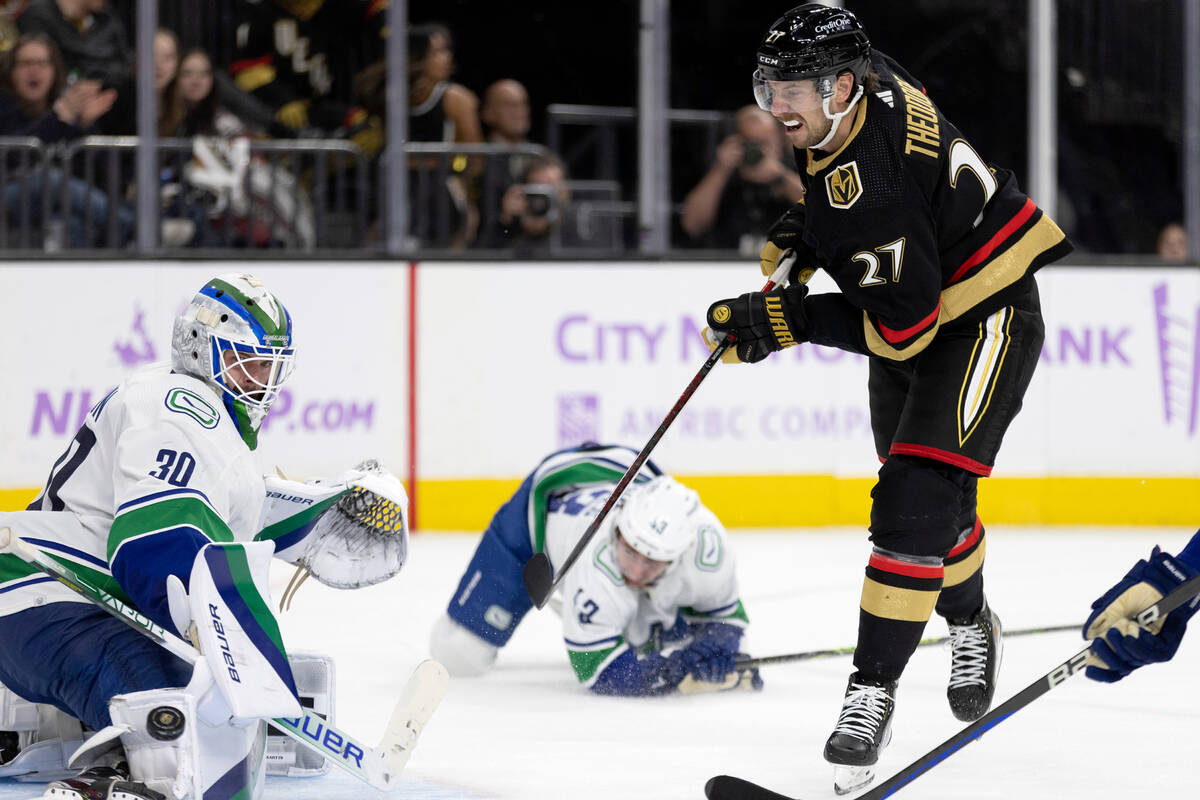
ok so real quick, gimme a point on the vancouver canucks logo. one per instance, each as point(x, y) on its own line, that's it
point(182, 401)
point(843, 186)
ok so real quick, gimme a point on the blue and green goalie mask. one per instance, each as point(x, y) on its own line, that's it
point(237, 337)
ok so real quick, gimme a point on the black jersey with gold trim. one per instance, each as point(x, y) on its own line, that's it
point(914, 227)
point(305, 53)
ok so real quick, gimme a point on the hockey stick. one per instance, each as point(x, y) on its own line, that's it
point(725, 787)
point(378, 766)
point(540, 578)
point(747, 663)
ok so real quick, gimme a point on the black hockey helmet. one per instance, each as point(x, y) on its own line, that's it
point(814, 41)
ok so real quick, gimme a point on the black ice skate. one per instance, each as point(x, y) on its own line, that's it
point(863, 729)
point(101, 783)
point(977, 648)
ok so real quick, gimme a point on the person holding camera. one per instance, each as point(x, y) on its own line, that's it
point(535, 214)
point(745, 190)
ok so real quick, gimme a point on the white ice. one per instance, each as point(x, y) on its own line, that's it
point(527, 731)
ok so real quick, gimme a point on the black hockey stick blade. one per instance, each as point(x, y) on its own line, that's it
point(539, 579)
point(727, 787)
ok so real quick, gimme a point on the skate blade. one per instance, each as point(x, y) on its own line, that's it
point(848, 779)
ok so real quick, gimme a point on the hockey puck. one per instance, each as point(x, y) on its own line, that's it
point(164, 723)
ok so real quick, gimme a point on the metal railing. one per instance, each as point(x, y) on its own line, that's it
point(297, 195)
point(22, 174)
point(604, 125)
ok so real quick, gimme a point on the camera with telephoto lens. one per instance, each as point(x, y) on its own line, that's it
point(751, 152)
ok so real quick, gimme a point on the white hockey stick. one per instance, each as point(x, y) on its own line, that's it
point(378, 766)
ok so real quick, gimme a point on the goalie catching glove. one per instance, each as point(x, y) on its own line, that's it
point(759, 323)
point(348, 531)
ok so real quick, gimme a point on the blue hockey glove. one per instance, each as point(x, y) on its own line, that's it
point(1120, 645)
point(707, 660)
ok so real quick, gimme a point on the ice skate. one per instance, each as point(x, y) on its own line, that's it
point(977, 647)
point(100, 782)
point(863, 729)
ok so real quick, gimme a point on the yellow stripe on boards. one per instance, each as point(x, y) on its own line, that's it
point(17, 499)
point(807, 501)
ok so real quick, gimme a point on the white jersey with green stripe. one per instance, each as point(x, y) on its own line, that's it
point(157, 461)
point(602, 616)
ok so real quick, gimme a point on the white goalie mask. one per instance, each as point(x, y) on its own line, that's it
point(237, 337)
point(655, 518)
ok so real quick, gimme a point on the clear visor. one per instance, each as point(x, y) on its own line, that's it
point(252, 373)
point(783, 97)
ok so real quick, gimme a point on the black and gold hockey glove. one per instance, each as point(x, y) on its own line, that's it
point(785, 242)
point(760, 323)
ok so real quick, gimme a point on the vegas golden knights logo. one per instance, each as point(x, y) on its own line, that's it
point(843, 186)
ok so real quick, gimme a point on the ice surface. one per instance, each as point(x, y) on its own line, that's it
point(527, 731)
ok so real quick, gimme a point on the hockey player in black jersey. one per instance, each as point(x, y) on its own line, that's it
point(934, 252)
point(299, 58)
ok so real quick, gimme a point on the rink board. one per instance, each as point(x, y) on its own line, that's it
point(512, 361)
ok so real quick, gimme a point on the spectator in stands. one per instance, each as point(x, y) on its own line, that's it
point(37, 101)
point(505, 112)
point(92, 39)
point(204, 113)
point(538, 217)
point(250, 201)
point(746, 189)
point(166, 83)
point(300, 57)
point(440, 110)
point(506, 115)
point(1172, 243)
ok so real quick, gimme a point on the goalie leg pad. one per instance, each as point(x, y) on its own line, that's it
point(237, 632)
point(464, 654)
point(173, 751)
point(36, 740)
point(314, 675)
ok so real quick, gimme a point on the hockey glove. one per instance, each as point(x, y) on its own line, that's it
point(293, 114)
point(759, 323)
point(747, 680)
point(785, 243)
point(1120, 645)
point(707, 660)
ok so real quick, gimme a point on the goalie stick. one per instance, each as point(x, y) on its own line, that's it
point(378, 766)
point(540, 579)
point(726, 787)
point(787, 658)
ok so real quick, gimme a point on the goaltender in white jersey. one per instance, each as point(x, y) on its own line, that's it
point(158, 501)
point(652, 605)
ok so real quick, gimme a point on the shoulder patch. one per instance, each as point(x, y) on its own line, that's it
point(843, 186)
point(186, 402)
point(709, 550)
